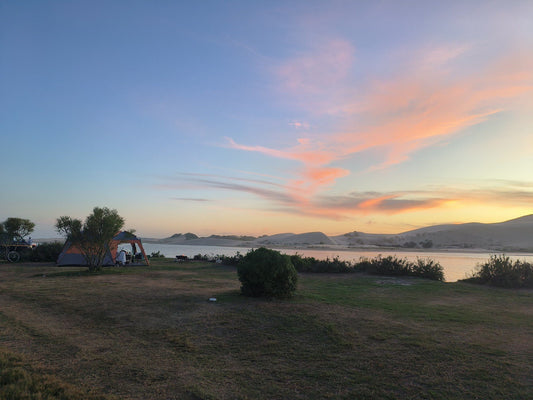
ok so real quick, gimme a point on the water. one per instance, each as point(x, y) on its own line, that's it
point(456, 265)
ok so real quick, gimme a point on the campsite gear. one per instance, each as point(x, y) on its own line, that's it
point(10, 249)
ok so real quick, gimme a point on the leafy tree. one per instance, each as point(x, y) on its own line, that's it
point(267, 273)
point(92, 236)
point(16, 228)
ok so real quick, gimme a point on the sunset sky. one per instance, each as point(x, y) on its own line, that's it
point(262, 117)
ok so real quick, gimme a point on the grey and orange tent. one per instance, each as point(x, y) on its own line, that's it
point(72, 255)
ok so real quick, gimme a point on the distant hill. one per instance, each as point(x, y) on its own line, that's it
point(512, 235)
point(288, 239)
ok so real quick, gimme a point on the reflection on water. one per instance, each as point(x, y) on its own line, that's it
point(456, 265)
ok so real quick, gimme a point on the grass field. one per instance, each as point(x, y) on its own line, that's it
point(151, 333)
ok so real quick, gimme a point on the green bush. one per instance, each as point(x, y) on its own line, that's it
point(501, 271)
point(428, 268)
point(267, 273)
point(303, 264)
point(395, 266)
point(389, 266)
point(47, 252)
point(311, 264)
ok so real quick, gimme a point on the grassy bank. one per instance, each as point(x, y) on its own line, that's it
point(152, 333)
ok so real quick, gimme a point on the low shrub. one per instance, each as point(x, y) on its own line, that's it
point(267, 273)
point(311, 264)
point(428, 268)
point(389, 266)
point(303, 264)
point(394, 266)
point(501, 271)
point(45, 252)
point(156, 254)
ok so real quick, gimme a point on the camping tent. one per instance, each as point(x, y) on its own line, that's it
point(71, 254)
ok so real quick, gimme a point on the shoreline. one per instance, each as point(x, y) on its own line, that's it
point(319, 247)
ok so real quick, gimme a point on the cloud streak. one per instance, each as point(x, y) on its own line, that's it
point(363, 203)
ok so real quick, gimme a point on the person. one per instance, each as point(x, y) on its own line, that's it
point(121, 257)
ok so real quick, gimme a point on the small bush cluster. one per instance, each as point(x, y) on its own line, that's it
point(394, 266)
point(311, 264)
point(45, 252)
point(389, 265)
point(267, 273)
point(501, 271)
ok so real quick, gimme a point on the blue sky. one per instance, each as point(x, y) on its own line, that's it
point(267, 117)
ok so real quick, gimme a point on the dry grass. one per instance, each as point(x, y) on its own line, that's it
point(150, 333)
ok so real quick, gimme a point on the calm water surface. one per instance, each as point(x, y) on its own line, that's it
point(456, 265)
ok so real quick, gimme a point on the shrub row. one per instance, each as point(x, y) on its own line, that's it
point(390, 265)
point(311, 264)
point(501, 271)
point(393, 266)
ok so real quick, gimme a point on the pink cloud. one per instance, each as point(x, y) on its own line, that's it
point(422, 106)
point(324, 66)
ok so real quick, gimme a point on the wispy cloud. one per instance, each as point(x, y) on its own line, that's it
point(262, 188)
point(291, 200)
point(317, 70)
point(428, 101)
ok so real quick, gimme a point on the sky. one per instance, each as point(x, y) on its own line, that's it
point(263, 117)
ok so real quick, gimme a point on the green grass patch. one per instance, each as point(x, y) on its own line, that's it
point(18, 380)
point(151, 332)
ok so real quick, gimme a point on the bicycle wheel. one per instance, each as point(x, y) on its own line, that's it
point(13, 256)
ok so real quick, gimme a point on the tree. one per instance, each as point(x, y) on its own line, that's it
point(92, 236)
point(16, 228)
point(267, 273)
